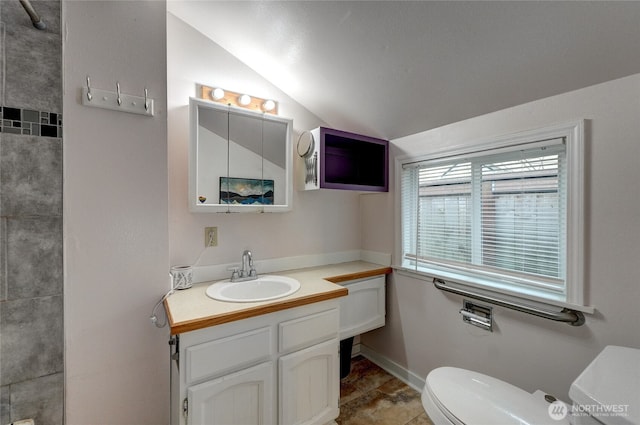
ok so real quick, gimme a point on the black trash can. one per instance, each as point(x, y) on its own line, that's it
point(345, 357)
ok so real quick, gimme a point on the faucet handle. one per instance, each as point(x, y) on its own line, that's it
point(234, 272)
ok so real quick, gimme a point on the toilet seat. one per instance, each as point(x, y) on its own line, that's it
point(464, 397)
point(436, 411)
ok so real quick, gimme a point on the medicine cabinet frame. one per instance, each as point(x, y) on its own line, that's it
point(207, 147)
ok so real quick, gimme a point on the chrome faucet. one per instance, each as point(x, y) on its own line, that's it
point(247, 272)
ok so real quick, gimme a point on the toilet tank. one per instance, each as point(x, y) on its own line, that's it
point(608, 390)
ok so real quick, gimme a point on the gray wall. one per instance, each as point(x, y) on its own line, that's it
point(116, 251)
point(31, 283)
point(424, 329)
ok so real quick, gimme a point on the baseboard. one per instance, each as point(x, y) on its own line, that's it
point(400, 372)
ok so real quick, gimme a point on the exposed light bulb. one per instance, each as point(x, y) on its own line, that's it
point(268, 105)
point(217, 94)
point(244, 99)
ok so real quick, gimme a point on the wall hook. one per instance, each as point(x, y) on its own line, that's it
point(89, 95)
point(118, 92)
point(117, 101)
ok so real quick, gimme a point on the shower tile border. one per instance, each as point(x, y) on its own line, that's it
point(30, 122)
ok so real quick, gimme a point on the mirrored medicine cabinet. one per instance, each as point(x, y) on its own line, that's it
point(239, 160)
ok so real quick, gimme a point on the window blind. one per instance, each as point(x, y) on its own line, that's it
point(490, 216)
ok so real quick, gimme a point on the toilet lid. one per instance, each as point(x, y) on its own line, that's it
point(473, 398)
point(609, 387)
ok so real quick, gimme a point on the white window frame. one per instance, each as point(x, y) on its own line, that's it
point(573, 135)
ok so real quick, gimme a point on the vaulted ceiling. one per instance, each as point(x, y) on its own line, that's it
point(393, 68)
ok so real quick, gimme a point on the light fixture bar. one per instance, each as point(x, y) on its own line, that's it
point(257, 104)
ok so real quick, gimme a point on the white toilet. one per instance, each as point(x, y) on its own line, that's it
point(606, 392)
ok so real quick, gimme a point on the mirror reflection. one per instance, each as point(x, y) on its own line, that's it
point(239, 160)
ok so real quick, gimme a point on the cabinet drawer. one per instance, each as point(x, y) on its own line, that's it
point(308, 330)
point(227, 354)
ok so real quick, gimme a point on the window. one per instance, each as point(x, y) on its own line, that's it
point(504, 217)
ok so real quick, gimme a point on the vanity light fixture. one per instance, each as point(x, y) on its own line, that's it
point(242, 100)
point(217, 94)
point(268, 105)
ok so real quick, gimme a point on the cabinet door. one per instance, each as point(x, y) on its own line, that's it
point(364, 308)
point(310, 385)
point(244, 397)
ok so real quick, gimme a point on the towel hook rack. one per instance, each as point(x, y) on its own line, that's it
point(117, 101)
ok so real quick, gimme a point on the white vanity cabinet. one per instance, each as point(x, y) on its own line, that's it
point(309, 381)
point(364, 308)
point(280, 368)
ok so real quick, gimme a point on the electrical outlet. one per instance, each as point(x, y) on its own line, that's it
point(210, 236)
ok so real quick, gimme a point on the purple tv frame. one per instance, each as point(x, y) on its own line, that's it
point(358, 138)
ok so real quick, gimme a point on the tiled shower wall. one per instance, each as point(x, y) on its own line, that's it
point(31, 279)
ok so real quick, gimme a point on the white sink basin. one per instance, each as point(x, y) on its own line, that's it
point(264, 288)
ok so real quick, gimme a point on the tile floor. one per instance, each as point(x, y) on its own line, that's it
point(371, 396)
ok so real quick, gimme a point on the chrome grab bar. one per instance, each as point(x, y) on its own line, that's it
point(573, 317)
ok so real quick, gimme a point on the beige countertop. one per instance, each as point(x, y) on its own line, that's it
point(192, 309)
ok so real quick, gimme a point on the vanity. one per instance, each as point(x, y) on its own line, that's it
point(245, 361)
point(273, 362)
